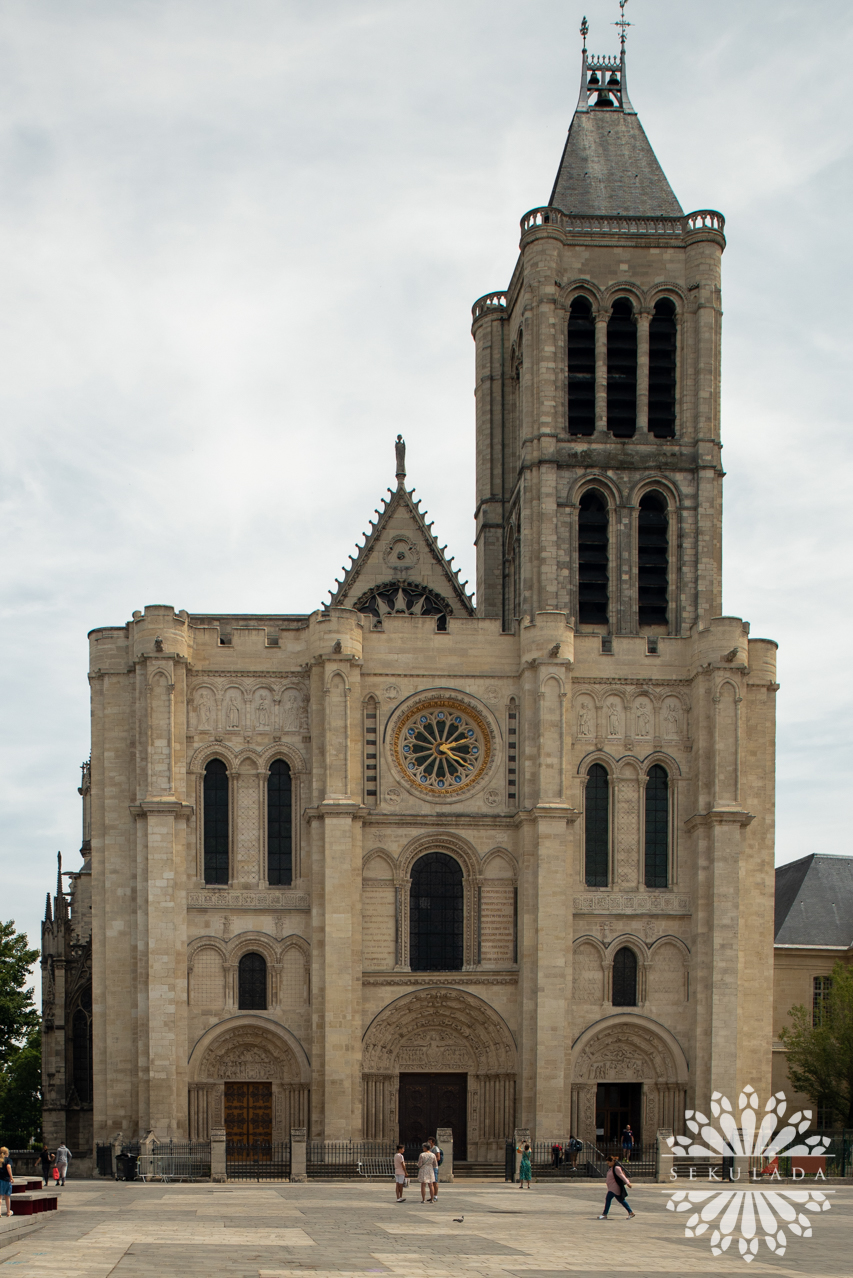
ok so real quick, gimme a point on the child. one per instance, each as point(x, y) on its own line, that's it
point(400, 1173)
point(524, 1171)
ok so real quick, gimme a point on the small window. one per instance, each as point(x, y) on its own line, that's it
point(81, 1060)
point(653, 557)
point(252, 983)
point(662, 339)
point(279, 824)
point(580, 345)
point(622, 370)
point(625, 978)
point(821, 989)
point(597, 826)
point(657, 828)
point(593, 536)
point(435, 914)
point(216, 822)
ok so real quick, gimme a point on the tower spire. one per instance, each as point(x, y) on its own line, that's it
point(623, 25)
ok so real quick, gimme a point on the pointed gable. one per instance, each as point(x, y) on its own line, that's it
point(400, 552)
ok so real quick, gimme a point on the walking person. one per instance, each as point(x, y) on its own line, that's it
point(618, 1185)
point(5, 1181)
point(45, 1158)
point(439, 1158)
point(400, 1173)
point(575, 1147)
point(427, 1164)
point(525, 1171)
point(63, 1158)
point(627, 1143)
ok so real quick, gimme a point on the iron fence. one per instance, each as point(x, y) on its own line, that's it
point(175, 1160)
point(554, 1160)
point(257, 1160)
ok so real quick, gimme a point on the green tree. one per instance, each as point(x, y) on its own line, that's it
point(20, 1094)
point(18, 1014)
point(820, 1049)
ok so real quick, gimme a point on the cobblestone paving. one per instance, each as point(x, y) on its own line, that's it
point(116, 1230)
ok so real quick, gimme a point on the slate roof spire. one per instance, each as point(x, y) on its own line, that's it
point(608, 168)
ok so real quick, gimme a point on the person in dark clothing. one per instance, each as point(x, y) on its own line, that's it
point(45, 1158)
point(627, 1143)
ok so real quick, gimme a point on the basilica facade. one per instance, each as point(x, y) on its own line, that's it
point(409, 862)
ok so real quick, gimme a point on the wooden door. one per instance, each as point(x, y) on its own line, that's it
point(430, 1101)
point(248, 1114)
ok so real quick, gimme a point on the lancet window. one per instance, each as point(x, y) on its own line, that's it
point(216, 822)
point(580, 345)
point(436, 914)
point(593, 537)
point(657, 828)
point(622, 369)
point(653, 566)
point(597, 826)
point(662, 370)
point(279, 824)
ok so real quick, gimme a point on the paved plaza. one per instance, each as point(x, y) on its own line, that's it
point(284, 1231)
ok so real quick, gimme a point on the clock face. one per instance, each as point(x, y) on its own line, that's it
point(442, 747)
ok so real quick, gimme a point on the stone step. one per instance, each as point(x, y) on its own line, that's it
point(482, 1171)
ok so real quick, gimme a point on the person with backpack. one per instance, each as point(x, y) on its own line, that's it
point(439, 1159)
point(618, 1185)
point(5, 1180)
point(575, 1147)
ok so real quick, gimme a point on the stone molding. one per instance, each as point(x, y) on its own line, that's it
point(632, 903)
point(228, 898)
point(466, 978)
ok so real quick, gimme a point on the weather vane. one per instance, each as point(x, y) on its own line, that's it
point(584, 31)
point(623, 23)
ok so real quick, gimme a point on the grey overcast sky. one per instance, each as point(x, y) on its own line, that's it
point(239, 243)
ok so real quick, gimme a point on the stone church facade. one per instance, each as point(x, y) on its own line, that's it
point(405, 862)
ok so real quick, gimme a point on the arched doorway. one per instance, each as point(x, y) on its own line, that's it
point(251, 1077)
point(440, 1051)
point(627, 1068)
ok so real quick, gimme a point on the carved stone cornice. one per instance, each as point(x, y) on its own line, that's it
point(632, 903)
point(424, 980)
point(718, 816)
point(232, 899)
point(165, 807)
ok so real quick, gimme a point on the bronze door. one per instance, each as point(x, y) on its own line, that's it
point(430, 1101)
point(248, 1115)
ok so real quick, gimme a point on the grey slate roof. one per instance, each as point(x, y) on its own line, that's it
point(814, 901)
point(608, 167)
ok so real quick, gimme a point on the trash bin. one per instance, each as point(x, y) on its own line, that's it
point(121, 1166)
point(132, 1160)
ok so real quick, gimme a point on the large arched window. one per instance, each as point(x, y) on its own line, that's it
point(657, 828)
point(436, 914)
point(625, 978)
point(216, 822)
point(593, 585)
point(252, 983)
point(597, 826)
point(81, 1055)
point(580, 349)
point(279, 824)
point(662, 370)
point(653, 566)
point(622, 369)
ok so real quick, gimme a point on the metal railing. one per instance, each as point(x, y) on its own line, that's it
point(175, 1160)
point(700, 220)
point(554, 1160)
point(257, 1160)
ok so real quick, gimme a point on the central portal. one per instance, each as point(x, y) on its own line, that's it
point(616, 1105)
point(430, 1101)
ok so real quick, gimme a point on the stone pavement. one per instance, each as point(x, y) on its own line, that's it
point(321, 1231)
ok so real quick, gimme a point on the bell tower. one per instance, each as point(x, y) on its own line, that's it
point(599, 484)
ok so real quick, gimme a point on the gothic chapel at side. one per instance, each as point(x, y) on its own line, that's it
point(405, 863)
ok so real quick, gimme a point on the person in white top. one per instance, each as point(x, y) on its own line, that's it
point(400, 1173)
point(427, 1164)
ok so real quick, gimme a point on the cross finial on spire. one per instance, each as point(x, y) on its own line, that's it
point(623, 24)
point(584, 31)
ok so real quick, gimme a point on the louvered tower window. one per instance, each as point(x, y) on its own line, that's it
point(592, 559)
point(622, 370)
point(597, 826)
point(216, 822)
point(435, 914)
point(662, 351)
point(279, 824)
point(657, 828)
point(625, 978)
point(653, 550)
point(252, 983)
point(580, 344)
